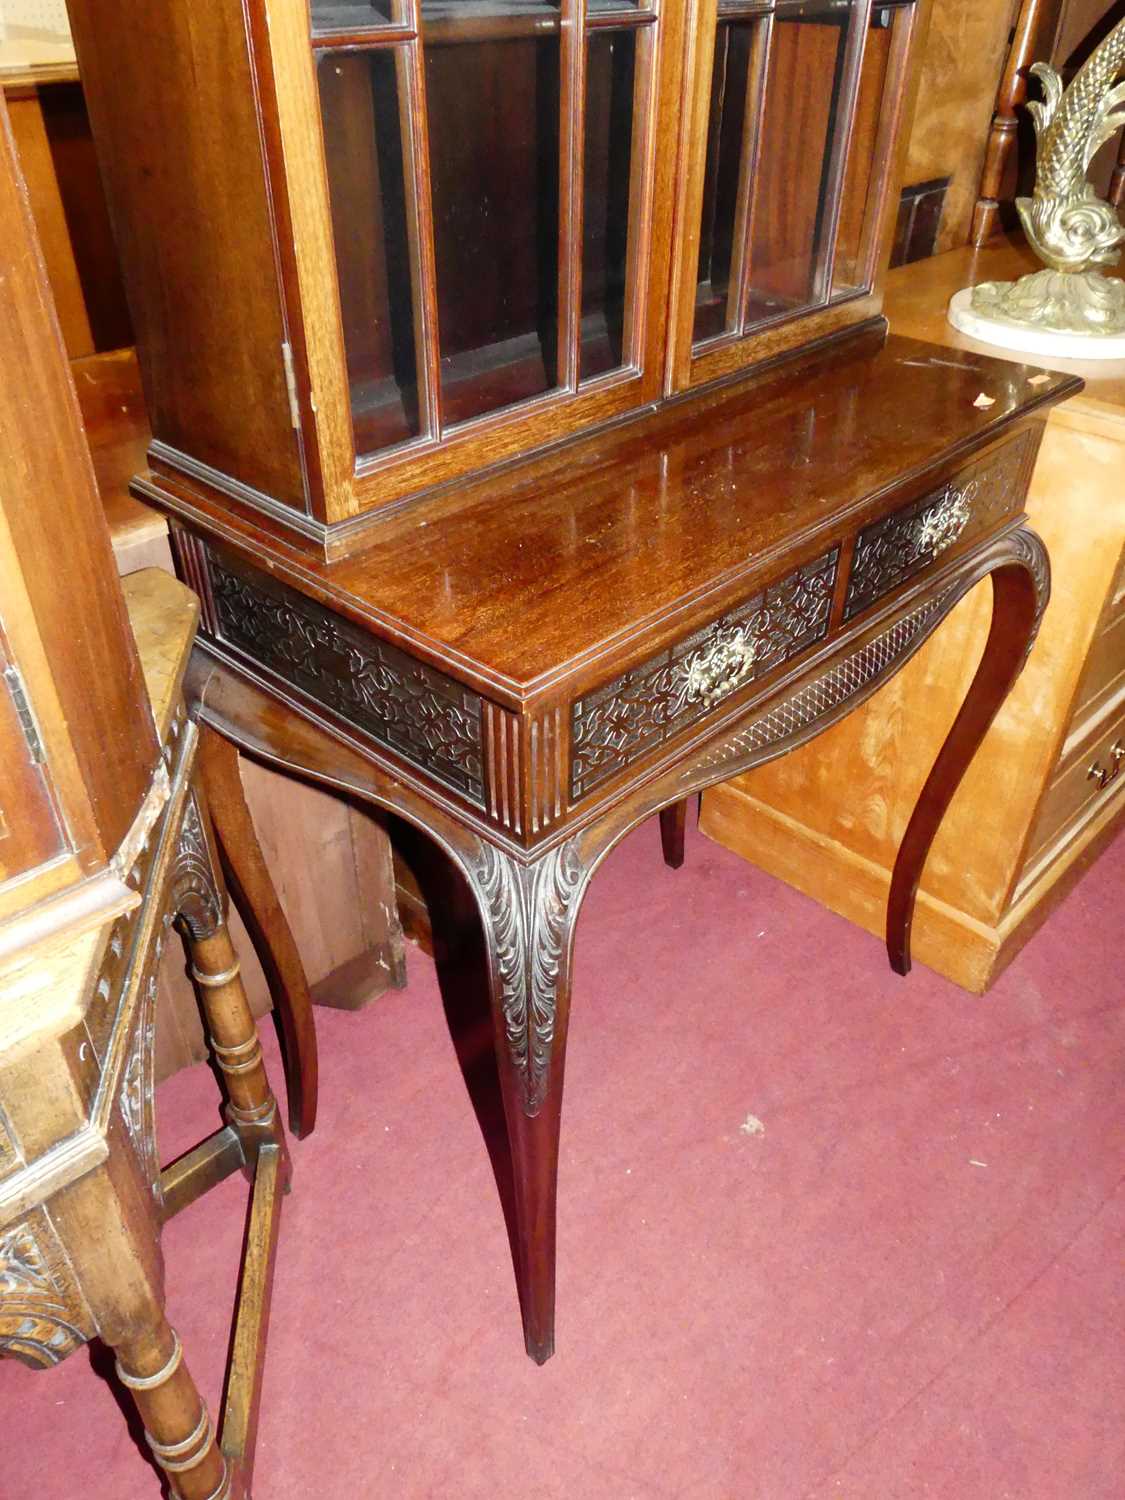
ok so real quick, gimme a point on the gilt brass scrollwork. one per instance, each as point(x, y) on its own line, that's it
point(719, 667)
point(940, 526)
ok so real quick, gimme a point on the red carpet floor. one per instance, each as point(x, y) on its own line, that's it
point(824, 1232)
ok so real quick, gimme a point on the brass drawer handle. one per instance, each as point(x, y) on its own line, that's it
point(943, 523)
point(1098, 772)
point(716, 670)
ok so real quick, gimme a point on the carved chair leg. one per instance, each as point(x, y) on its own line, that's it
point(534, 1142)
point(1020, 594)
point(177, 1425)
point(529, 914)
point(673, 824)
point(254, 895)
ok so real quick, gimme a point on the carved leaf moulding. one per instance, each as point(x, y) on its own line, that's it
point(425, 717)
point(43, 1314)
point(641, 709)
point(895, 548)
point(529, 913)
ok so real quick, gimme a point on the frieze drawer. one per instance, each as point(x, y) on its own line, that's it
point(892, 550)
point(635, 713)
point(422, 715)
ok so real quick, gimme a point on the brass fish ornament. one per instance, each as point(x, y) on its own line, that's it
point(1069, 226)
point(1071, 229)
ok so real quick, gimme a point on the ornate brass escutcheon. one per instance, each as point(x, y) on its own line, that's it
point(940, 526)
point(714, 671)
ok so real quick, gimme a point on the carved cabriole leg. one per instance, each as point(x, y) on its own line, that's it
point(529, 912)
point(1020, 591)
point(256, 899)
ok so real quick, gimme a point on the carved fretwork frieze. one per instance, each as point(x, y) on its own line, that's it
point(827, 696)
point(43, 1315)
point(530, 917)
point(422, 715)
point(638, 711)
point(895, 548)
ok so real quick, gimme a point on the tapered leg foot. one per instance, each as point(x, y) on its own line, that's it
point(528, 913)
point(673, 824)
point(535, 1155)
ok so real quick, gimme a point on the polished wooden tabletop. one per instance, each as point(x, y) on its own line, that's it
point(529, 574)
point(918, 295)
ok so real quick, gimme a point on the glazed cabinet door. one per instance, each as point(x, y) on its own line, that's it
point(791, 121)
point(498, 229)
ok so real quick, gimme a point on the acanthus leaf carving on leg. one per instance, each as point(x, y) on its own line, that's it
point(529, 914)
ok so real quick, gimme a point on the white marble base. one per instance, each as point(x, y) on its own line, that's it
point(1028, 340)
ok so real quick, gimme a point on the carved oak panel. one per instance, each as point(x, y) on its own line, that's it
point(892, 550)
point(422, 715)
point(43, 1314)
point(638, 711)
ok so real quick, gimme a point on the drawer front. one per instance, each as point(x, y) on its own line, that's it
point(979, 498)
point(1096, 774)
point(408, 707)
point(635, 713)
point(1105, 668)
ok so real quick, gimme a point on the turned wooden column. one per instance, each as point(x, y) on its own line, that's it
point(1035, 21)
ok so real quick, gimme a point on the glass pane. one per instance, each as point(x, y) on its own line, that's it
point(789, 230)
point(354, 15)
point(492, 96)
point(737, 48)
point(611, 58)
point(858, 227)
point(360, 109)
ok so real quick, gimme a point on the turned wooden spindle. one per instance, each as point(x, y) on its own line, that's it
point(178, 1426)
point(1036, 19)
point(251, 1107)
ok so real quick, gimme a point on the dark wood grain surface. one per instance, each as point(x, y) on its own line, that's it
point(528, 576)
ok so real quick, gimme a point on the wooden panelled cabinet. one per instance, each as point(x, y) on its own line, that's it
point(542, 215)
